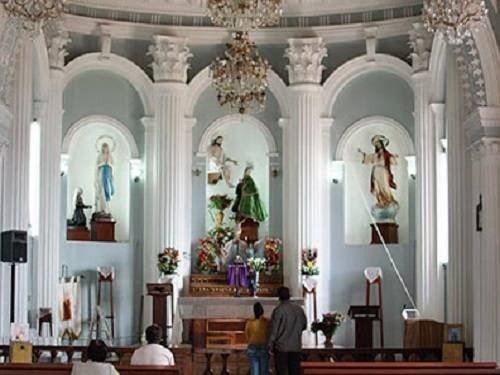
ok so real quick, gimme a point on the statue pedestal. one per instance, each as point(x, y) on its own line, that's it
point(388, 230)
point(249, 231)
point(103, 229)
point(77, 234)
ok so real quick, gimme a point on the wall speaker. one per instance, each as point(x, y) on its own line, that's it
point(14, 247)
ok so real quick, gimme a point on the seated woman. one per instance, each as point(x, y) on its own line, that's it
point(257, 333)
point(95, 365)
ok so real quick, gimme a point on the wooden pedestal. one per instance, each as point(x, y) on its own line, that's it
point(160, 292)
point(364, 317)
point(388, 230)
point(249, 230)
point(77, 234)
point(103, 229)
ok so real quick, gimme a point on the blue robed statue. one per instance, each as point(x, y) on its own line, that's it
point(104, 183)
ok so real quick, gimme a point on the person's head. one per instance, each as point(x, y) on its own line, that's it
point(284, 294)
point(105, 148)
point(258, 310)
point(153, 334)
point(97, 351)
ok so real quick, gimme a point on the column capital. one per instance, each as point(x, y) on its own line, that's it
point(57, 37)
point(438, 108)
point(421, 44)
point(305, 56)
point(486, 146)
point(148, 122)
point(170, 58)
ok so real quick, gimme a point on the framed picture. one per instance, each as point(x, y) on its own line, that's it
point(453, 333)
point(453, 352)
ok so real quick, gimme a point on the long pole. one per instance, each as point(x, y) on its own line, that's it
point(12, 291)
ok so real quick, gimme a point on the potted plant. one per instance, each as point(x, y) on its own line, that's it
point(255, 266)
point(219, 203)
point(168, 262)
point(310, 269)
point(328, 326)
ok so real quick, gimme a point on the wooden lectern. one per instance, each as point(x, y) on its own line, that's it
point(364, 317)
point(160, 292)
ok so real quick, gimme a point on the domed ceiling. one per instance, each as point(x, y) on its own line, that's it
point(292, 8)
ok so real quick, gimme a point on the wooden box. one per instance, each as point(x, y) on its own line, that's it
point(103, 229)
point(388, 230)
point(77, 234)
point(21, 352)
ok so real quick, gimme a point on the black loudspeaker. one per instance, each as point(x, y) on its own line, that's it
point(14, 246)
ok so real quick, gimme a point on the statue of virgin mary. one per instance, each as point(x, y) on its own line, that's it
point(104, 185)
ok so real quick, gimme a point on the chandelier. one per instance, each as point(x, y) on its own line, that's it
point(453, 19)
point(241, 77)
point(244, 15)
point(33, 12)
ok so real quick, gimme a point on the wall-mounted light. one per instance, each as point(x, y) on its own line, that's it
point(135, 169)
point(275, 172)
point(337, 171)
point(411, 163)
point(196, 172)
point(444, 145)
point(64, 164)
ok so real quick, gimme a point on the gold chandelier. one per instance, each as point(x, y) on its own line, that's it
point(453, 19)
point(241, 77)
point(33, 12)
point(244, 15)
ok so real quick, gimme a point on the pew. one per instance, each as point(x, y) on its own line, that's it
point(65, 369)
point(398, 368)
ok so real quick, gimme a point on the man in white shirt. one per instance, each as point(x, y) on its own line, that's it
point(153, 354)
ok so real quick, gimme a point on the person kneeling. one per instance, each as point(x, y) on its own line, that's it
point(96, 353)
point(153, 353)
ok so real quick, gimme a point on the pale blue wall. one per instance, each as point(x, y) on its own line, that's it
point(369, 95)
point(103, 93)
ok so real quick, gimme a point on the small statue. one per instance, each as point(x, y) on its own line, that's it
point(104, 180)
point(219, 158)
point(247, 204)
point(79, 219)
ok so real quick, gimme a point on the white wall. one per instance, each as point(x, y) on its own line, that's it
point(81, 173)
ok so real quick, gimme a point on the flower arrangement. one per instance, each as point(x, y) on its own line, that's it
point(309, 262)
point(219, 202)
point(221, 235)
point(168, 261)
point(256, 264)
point(273, 248)
point(328, 325)
point(207, 256)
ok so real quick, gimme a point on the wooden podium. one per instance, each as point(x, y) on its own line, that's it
point(364, 317)
point(160, 292)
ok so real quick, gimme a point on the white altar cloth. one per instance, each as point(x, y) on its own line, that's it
point(226, 307)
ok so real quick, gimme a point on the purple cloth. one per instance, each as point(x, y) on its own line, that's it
point(231, 275)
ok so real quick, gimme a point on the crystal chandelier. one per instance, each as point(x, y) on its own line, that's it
point(244, 15)
point(453, 19)
point(241, 77)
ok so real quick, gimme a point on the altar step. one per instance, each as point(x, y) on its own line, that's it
point(216, 286)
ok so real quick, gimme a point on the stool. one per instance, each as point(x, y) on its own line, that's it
point(44, 316)
point(373, 276)
point(106, 275)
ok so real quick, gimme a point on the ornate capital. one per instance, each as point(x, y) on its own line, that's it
point(305, 56)
point(57, 39)
point(170, 58)
point(421, 44)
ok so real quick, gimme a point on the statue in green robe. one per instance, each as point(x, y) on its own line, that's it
point(247, 204)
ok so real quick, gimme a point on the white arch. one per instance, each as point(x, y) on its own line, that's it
point(214, 128)
point(99, 119)
point(437, 68)
point(117, 65)
point(371, 120)
point(356, 67)
point(203, 80)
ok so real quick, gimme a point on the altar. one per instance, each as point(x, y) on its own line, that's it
point(220, 321)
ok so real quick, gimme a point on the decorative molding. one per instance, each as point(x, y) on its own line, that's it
point(370, 121)
point(117, 65)
point(305, 56)
point(170, 58)
point(215, 127)
point(57, 37)
point(100, 119)
point(371, 42)
point(438, 68)
point(202, 81)
point(352, 69)
point(200, 35)
point(421, 44)
point(41, 69)
point(105, 40)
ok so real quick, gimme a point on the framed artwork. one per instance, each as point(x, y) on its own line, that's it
point(453, 352)
point(453, 333)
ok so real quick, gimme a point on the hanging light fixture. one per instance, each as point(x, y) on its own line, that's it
point(244, 15)
point(241, 77)
point(453, 19)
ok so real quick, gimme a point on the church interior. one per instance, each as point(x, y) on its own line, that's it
point(176, 161)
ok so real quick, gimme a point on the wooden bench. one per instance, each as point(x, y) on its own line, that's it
point(65, 369)
point(398, 368)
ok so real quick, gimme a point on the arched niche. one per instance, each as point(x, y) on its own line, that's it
point(258, 149)
point(80, 147)
point(358, 199)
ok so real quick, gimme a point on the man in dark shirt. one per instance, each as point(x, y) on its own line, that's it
point(287, 323)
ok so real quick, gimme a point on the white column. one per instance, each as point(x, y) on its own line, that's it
point(4, 269)
point(16, 210)
point(50, 179)
point(172, 167)
point(303, 157)
point(427, 286)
